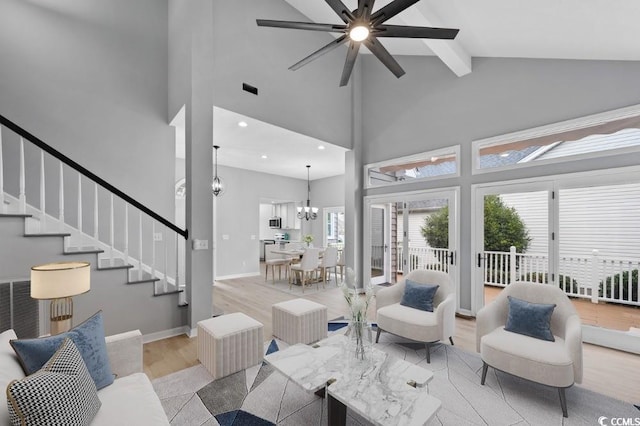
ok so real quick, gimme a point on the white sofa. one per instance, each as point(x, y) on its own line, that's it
point(130, 400)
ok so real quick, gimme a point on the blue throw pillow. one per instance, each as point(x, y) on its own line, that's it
point(419, 296)
point(530, 319)
point(88, 338)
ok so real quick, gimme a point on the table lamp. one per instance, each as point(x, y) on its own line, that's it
point(60, 281)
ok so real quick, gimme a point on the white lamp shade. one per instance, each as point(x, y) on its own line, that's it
point(60, 279)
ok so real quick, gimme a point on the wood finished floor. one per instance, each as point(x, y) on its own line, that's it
point(607, 371)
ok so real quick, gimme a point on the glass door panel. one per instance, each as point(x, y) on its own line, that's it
point(379, 238)
point(599, 252)
point(514, 242)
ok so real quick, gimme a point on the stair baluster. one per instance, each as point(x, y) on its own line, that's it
point(80, 238)
point(139, 245)
point(166, 259)
point(95, 212)
point(43, 198)
point(153, 249)
point(126, 234)
point(111, 230)
point(22, 197)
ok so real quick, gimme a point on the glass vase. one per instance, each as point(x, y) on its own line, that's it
point(361, 339)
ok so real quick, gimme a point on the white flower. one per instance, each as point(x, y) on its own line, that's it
point(357, 305)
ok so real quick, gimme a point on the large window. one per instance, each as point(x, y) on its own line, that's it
point(435, 164)
point(613, 132)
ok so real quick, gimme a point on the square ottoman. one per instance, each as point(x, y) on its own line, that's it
point(299, 321)
point(230, 343)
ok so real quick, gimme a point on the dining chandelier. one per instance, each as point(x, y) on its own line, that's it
point(308, 212)
point(216, 186)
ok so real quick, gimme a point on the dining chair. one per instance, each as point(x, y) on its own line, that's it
point(341, 265)
point(307, 266)
point(329, 260)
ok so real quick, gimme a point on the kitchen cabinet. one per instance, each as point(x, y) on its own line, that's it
point(292, 221)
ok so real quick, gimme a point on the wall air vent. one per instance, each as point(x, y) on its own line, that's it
point(249, 88)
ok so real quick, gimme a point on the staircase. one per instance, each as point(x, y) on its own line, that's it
point(118, 235)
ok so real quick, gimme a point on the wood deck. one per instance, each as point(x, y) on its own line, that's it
point(607, 315)
point(607, 371)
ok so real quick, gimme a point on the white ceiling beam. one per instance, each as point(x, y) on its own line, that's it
point(450, 52)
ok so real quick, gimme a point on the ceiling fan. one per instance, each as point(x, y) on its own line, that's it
point(363, 26)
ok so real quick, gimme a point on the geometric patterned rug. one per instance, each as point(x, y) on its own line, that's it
point(261, 396)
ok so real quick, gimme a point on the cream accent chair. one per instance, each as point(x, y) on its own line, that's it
point(415, 324)
point(557, 364)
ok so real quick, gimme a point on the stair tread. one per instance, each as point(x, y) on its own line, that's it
point(51, 234)
point(15, 215)
point(143, 280)
point(83, 250)
point(106, 264)
point(168, 292)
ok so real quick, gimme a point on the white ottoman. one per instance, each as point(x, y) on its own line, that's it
point(229, 343)
point(299, 321)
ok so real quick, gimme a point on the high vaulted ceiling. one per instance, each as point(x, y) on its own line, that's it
point(560, 29)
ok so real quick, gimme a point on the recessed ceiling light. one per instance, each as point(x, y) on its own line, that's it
point(242, 124)
point(434, 159)
point(264, 157)
point(320, 146)
point(505, 154)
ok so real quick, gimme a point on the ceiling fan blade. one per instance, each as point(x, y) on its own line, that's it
point(391, 10)
point(415, 32)
point(301, 25)
point(315, 55)
point(352, 55)
point(364, 9)
point(384, 56)
point(343, 12)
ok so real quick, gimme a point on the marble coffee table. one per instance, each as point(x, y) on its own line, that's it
point(385, 390)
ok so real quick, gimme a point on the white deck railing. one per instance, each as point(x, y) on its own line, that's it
point(595, 277)
point(592, 277)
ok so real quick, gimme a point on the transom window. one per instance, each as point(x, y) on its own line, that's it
point(609, 133)
point(435, 164)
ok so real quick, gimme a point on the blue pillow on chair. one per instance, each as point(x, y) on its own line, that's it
point(530, 319)
point(88, 338)
point(419, 296)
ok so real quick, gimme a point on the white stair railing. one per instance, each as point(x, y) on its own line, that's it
point(16, 202)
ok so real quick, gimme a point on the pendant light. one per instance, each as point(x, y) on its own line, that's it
point(216, 186)
point(308, 212)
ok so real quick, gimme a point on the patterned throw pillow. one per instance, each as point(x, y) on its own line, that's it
point(88, 338)
point(61, 393)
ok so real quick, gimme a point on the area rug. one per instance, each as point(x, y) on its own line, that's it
point(262, 396)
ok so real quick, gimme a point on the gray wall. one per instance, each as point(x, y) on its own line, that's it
point(328, 192)
point(308, 100)
point(430, 107)
point(237, 215)
point(90, 79)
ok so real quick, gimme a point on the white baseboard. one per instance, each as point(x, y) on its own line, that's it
point(232, 276)
point(193, 332)
point(615, 339)
point(164, 334)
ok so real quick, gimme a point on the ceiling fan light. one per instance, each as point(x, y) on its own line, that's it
point(359, 33)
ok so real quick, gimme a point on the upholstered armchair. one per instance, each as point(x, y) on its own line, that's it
point(416, 324)
point(553, 363)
